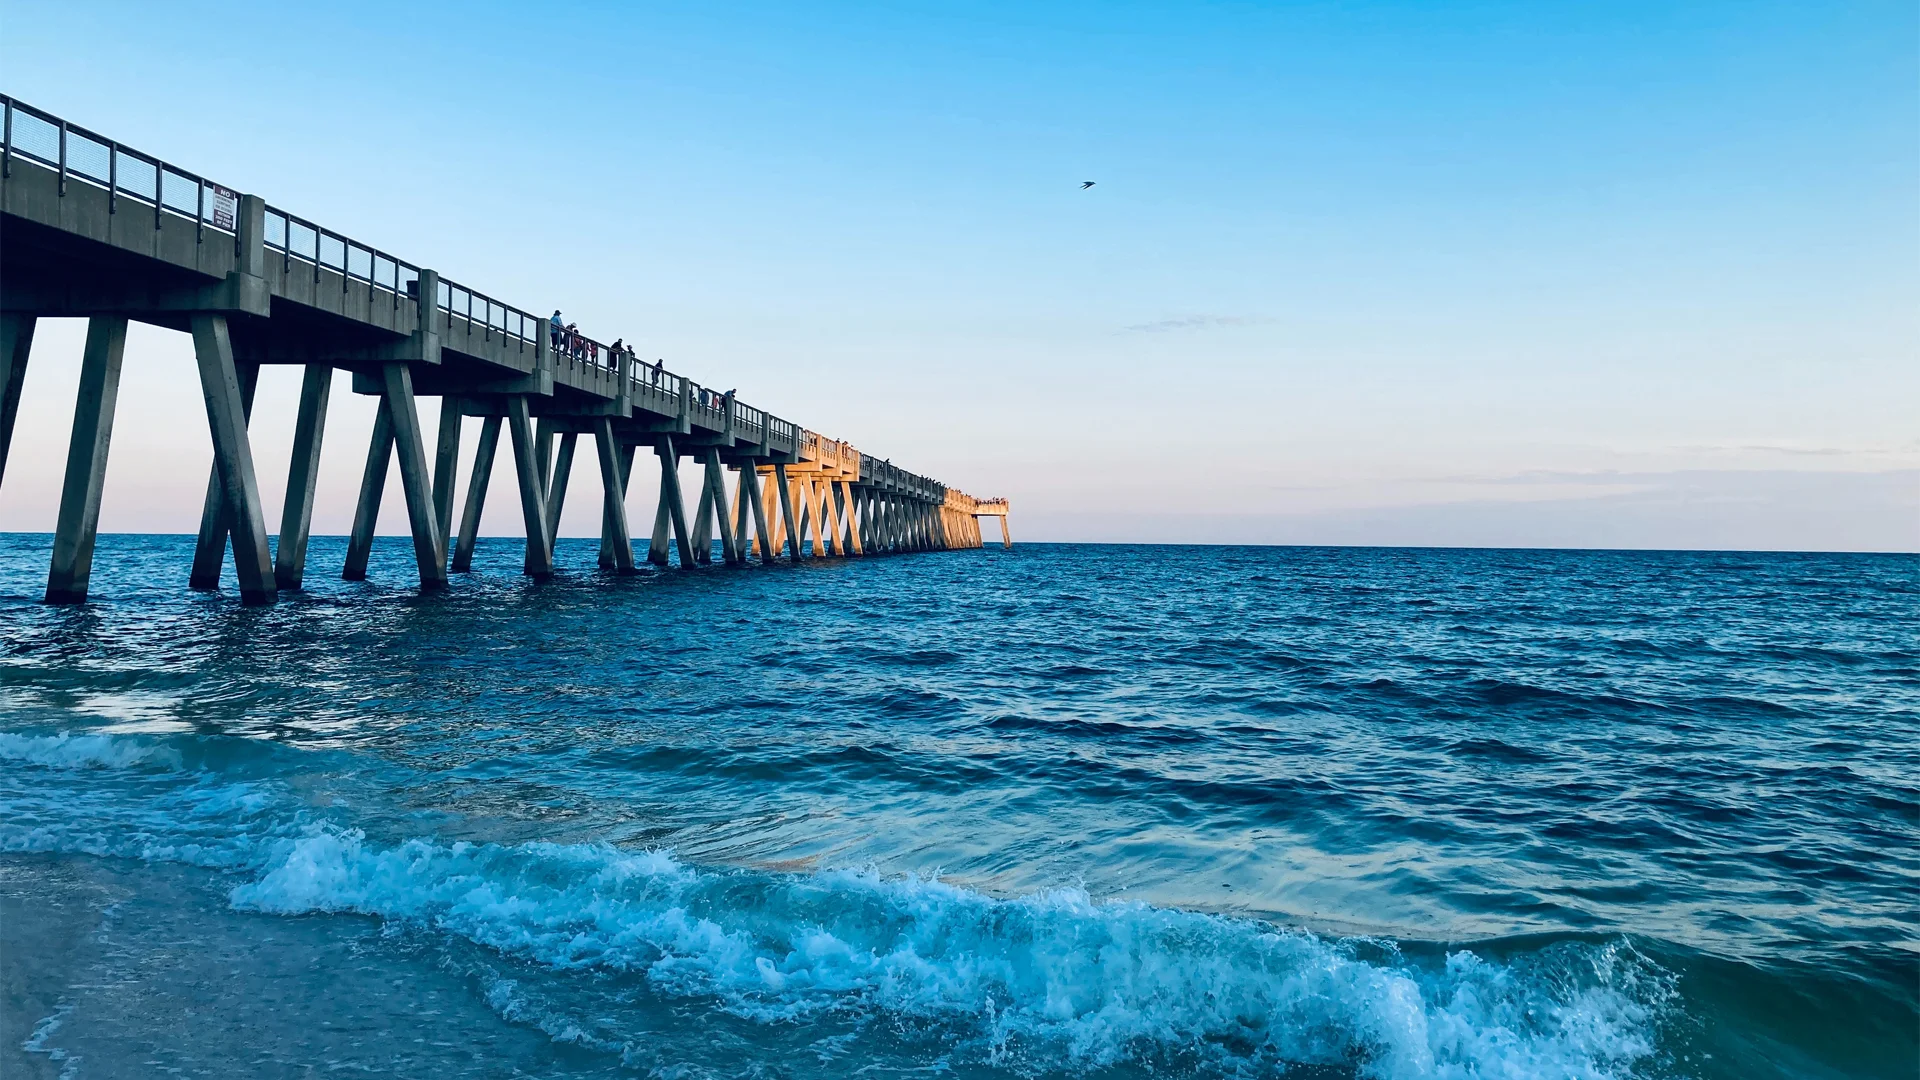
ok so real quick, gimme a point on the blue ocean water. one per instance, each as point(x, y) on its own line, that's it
point(1058, 811)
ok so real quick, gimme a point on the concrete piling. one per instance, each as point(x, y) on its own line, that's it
point(614, 539)
point(476, 494)
point(93, 409)
point(16, 342)
point(210, 549)
point(373, 484)
point(429, 549)
point(303, 474)
point(233, 455)
point(533, 502)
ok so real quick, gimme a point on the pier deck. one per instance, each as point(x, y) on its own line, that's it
point(91, 229)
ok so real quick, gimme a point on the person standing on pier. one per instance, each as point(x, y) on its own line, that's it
point(554, 327)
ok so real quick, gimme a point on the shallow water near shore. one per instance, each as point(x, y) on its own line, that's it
point(1058, 811)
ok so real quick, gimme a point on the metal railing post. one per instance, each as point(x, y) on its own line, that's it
point(63, 157)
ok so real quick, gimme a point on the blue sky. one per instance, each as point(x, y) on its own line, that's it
point(1627, 274)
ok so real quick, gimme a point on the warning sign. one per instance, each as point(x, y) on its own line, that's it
point(224, 207)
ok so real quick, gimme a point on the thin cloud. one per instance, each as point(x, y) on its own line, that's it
point(1794, 449)
point(1193, 322)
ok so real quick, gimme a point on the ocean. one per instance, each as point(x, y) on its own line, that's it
point(1054, 811)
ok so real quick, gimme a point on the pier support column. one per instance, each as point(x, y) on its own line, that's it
point(786, 510)
point(93, 407)
point(717, 484)
point(533, 496)
point(296, 513)
point(829, 527)
point(543, 452)
point(210, 550)
point(702, 539)
point(672, 510)
point(803, 507)
point(770, 506)
point(233, 455)
point(797, 494)
point(751, 505)
point(614, 505)
point(810, 523)
point(429, 549)
point(609, 559)
point(476, 494)
point(16, 342)
point(1006, 539)
point(557, 486)
point(373, 485)
point(736, 520)
point(849, 529)
point(446, 466)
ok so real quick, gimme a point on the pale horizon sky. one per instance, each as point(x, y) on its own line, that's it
point(1491, 274)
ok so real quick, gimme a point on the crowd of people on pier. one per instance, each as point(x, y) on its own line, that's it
point(565, 339)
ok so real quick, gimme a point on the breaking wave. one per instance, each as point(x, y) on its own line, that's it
point(1058, 976)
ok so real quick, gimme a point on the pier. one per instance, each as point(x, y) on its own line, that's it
point(91, 229)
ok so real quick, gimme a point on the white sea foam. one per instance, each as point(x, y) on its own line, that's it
point(1098, 982)
point(66, 751)
point(1054, 976)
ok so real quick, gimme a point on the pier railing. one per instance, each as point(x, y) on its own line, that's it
point(79, 155)
point(84, 156)
point(299, 240)
point(490, 316)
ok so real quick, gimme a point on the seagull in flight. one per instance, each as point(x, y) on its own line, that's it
point(1085, 184)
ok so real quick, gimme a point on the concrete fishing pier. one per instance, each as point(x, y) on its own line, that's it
point(91, 229)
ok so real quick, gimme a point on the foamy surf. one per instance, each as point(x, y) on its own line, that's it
point(1096, 982)
point(1056, 977)
point(64, 750)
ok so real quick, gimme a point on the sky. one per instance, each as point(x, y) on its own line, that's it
point(1501, 274)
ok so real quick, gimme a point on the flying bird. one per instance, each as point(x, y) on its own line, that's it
point(1085, 184)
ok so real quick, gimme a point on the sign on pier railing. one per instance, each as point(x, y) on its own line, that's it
point(81, 155)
